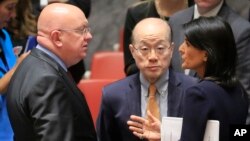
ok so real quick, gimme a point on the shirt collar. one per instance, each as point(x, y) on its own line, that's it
point(161, 84)
point(210, 13)
point(52, 55)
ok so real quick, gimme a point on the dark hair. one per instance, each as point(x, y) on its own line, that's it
point(24, 24)
point(215, 36)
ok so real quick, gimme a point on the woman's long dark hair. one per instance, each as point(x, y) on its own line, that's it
point(215, 36)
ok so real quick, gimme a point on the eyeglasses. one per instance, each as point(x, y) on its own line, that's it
point(82, 31)
point(159, 50)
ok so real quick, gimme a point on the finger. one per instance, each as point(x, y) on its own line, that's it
point(137, 119)
point(135, 129)
point(135, 124)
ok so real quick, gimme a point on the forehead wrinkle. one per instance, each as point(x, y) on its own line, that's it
point(151, 39)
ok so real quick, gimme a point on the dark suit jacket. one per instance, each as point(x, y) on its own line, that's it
point(207, 100)
point(241, 30)
point(242, 7)
point(122, 99)
point(45, 104)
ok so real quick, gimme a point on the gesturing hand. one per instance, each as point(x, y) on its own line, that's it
point(145, 128)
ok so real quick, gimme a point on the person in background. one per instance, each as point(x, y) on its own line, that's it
point(84, 5)
point(240, 27)
point(47, 102)
point(23, 25)
point(5, 80)
point(149, 8)
point(79, 69)
point(7, 62)
point(152, 50)
point(209, 48)
point(242, 7)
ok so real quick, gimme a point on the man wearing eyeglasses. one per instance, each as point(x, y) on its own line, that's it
point(152, 50)
point(43, 101)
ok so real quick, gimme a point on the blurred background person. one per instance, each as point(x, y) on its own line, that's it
point(23, 25)
point(78, 70)
point(209, 48)
point(84, 5)
point(241, 7)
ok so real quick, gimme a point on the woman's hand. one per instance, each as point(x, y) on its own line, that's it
point(145, 128)
point(20, 59)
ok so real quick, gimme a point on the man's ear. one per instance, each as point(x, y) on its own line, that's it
point(55, 37)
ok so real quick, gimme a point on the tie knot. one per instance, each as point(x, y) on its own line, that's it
point(152, 90)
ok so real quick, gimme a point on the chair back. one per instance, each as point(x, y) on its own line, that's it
point(92, 90)
point(107, 65)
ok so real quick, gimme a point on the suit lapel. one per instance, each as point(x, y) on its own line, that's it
point(188, 15)
point(61, 72)
point(133, 96)
point(224, 12)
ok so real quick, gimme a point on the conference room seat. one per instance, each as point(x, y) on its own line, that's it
point(107, 65)
point(92, 90)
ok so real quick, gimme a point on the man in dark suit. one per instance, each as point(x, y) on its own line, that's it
point(242, 7)
point(152, 50)
point(77, 71)
point(43, 102)
point(240, 27)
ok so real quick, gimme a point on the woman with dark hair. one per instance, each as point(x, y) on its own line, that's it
point(209, 49)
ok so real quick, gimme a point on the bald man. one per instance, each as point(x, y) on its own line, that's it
point(43, 102)
point(152, 50)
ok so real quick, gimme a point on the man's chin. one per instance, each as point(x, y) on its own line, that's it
point(153, 75)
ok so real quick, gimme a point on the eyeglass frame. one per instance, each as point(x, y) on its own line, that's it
point(82, 31)
point(157, 52)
